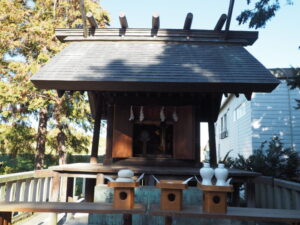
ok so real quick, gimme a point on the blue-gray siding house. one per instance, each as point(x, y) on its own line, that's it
point(243, 125)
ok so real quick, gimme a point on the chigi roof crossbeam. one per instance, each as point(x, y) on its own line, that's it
point(155, 33)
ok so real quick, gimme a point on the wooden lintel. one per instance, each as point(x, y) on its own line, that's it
point(83, 15)
point(123, 21)
point(155, 21)
point(92, 20)
point(188, 21)
point(60, 93)
point(248, 95)
point(220, 22)
point(230, 9)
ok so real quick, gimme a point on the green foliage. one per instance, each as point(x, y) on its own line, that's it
point(261, 13)
point(16, 139)
point(271, 159)
point(25, 162)
point(226, 157)
point(79, 142)
point(22, 162)
point(27, 42)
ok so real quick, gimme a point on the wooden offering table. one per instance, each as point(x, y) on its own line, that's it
point(123, 194)
point(67, 207)
point(239, 213)
point(215, 198)
point(171, 194)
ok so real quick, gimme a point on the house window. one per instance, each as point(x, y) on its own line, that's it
point(224, 131)
point(240, 111)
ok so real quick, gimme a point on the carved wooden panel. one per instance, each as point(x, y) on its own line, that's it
point(122, 133)
point(184, 133)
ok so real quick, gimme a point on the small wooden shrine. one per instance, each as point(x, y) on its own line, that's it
point(154, 86)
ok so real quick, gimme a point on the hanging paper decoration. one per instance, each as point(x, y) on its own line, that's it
point(162, 114)
point(142, 117)
point(131, 118)
point(175, 117)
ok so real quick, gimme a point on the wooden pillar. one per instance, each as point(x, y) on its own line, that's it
point(55, 188)
point(236, 194)
point(100, 179)
point(97, 126)
point(90, 184)
point(70, 184)
point(109, 134)
point(197, 136)
point(212, 143)
point(250, 193)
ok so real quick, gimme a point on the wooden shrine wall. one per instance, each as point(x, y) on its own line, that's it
point(183, 134)
point(122, 133)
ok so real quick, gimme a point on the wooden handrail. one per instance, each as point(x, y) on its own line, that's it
point(70, 207)
point(16, 176)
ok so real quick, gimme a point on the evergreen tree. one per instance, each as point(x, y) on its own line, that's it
point(27, 42)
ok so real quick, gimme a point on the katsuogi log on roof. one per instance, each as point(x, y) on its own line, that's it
point(165, 60)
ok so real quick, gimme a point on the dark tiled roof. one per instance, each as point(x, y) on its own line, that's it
point(154, 65)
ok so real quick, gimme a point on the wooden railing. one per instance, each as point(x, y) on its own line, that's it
point(276, 193)
point(45, 186)
point(25, 187)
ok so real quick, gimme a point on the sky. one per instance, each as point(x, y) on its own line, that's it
point(277, 45)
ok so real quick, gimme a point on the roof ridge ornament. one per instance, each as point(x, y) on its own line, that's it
point(155, 21)
point(188, 21)
point(123, 21)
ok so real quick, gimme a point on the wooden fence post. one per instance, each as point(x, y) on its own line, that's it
point(54, 196)
point(250, 193)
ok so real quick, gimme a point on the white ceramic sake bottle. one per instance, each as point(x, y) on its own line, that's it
point(206, 173)
point(221, 173)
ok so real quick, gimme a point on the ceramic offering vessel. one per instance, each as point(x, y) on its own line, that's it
point(206, 173)
point(221, 173)
point(125, 173)
point(124, 179)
